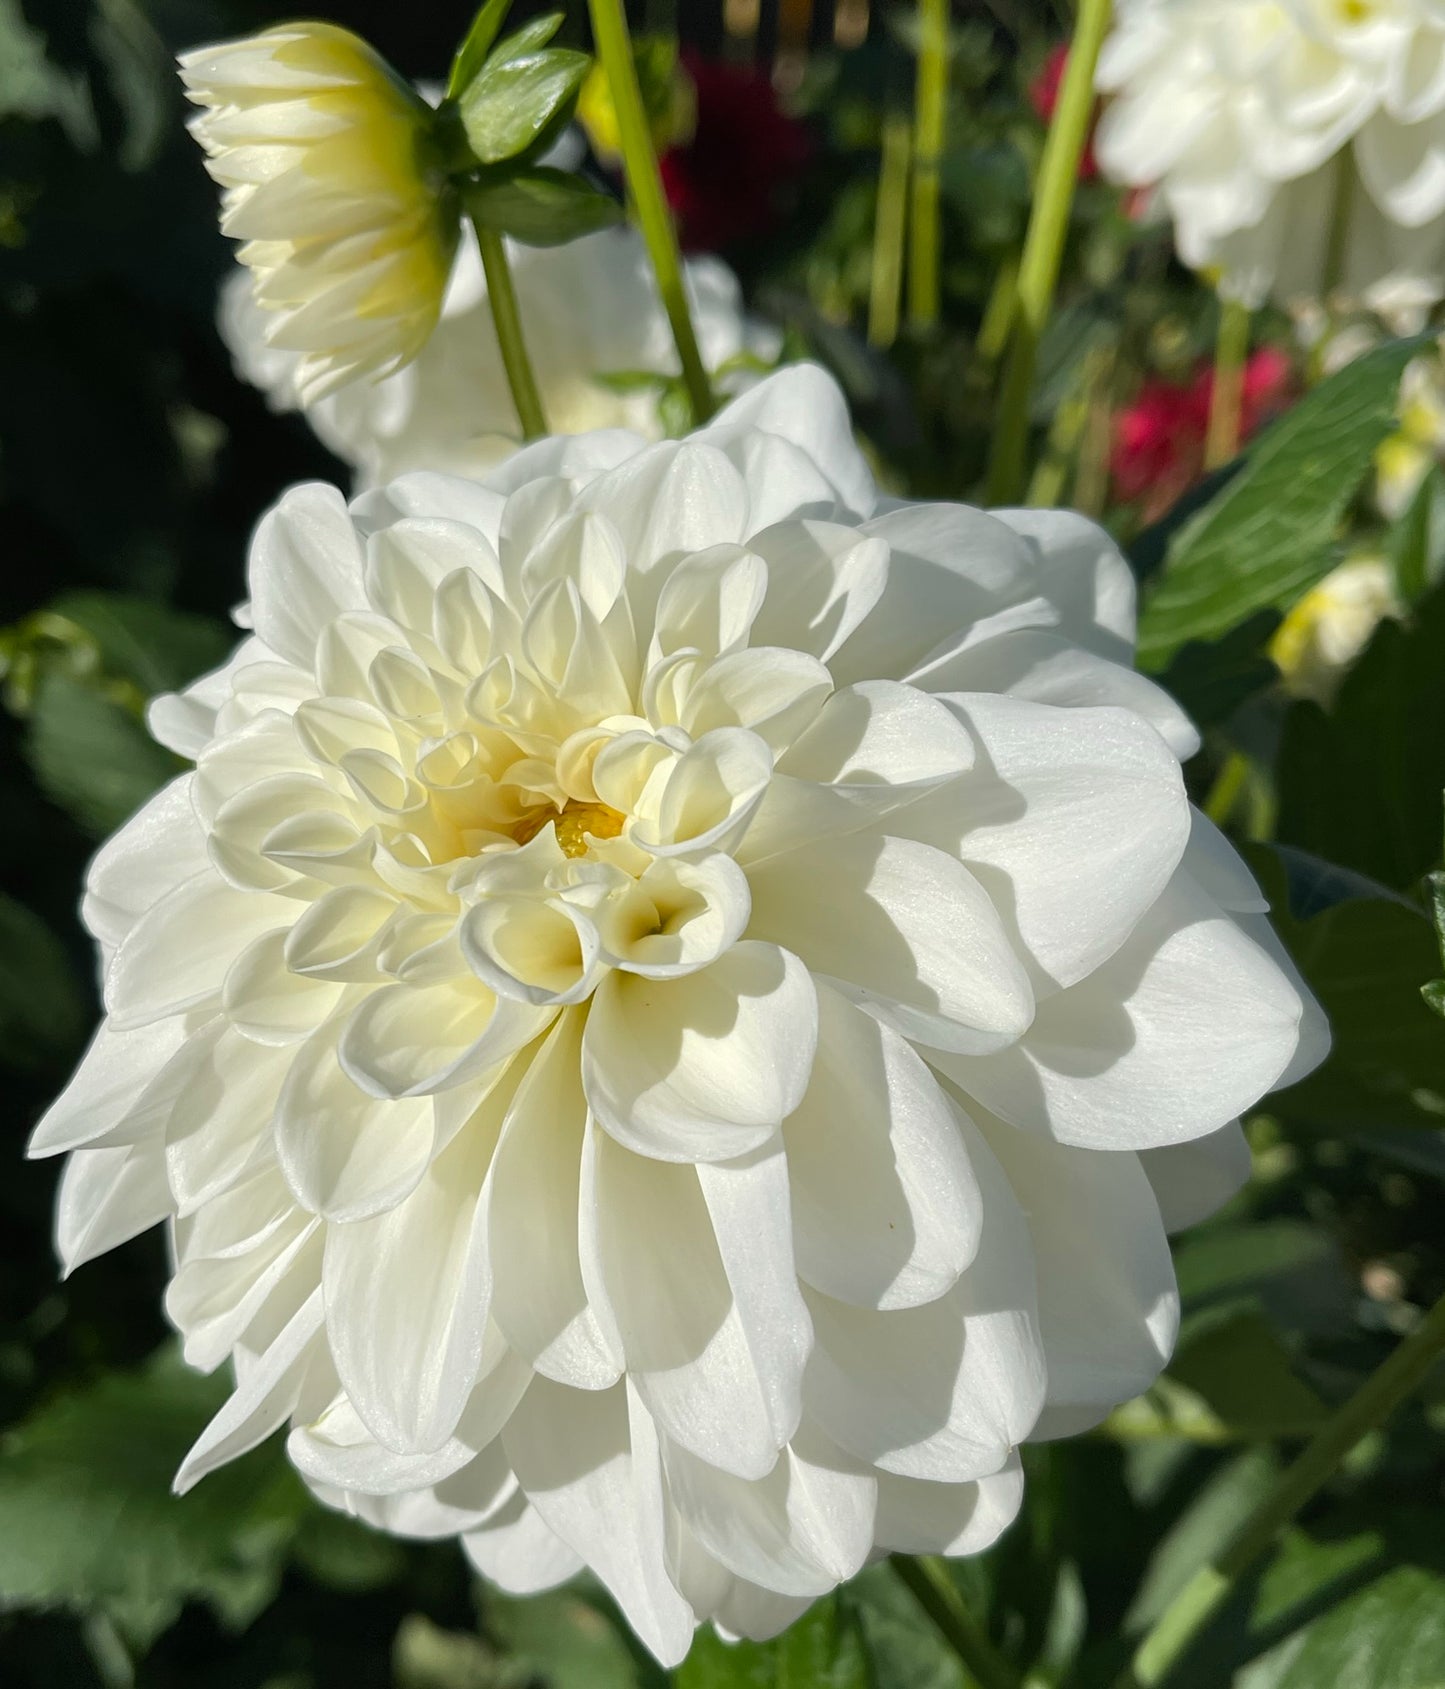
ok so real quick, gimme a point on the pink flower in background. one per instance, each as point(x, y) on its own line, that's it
point(728, 182)
point(1159, 439)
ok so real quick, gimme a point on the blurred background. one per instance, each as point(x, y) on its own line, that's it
point(133, 465)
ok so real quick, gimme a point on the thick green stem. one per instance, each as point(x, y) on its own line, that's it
point(649, 203)
point(930, 114)
point(885, 283)
point(1044, 248)
point(1373, 1403)
point(934, 1591)
point(1226, 400)
point(502, 297)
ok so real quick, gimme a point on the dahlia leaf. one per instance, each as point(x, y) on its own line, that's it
point(1270, 534)
point(1390, 1634)
point(542, 207)
point(822, 1650)
point(41, 1009)
point(88, 1520)
point(154, 647)
point(1383, 743)
point(472, 53)
point(91, 755)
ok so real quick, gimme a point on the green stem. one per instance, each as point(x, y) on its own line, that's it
point(885, 285)
point(934, 1591)
point(644, 184)
point(1044, 248)
point(998, 313)
point(930, 114)
point(1226, 400)
point(1373, 1403)
point(502, 297)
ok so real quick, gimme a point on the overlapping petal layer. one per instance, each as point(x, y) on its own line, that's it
point(674, 1012)
point(1298, 145)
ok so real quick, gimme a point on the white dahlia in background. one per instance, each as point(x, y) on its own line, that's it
point(325, 158)
point(1298, 145)
point(452, 409)
point(1318, 641)
point(674, 1013)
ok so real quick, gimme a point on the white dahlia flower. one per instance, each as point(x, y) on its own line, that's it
point(326, 160)
point(1318, 641)
point(673, 1015)
point(451, 408)
point(1298, 145)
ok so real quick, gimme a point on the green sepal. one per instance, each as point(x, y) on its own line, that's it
point(472, 53)
point(541, 206)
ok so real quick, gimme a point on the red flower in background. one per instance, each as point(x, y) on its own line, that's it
point(1044, 97)
point(1159, 440)
point(729, 181)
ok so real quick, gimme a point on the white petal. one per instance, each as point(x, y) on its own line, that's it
point(305, 570)
point(917, 1517)
point(573, 1454)
point(905, 929)
point(1108, 1307)
point(720, 1369)
point(538, 1299)
point(1183, 1029)
point(517, 1552)
point(413, 1040)
point(705, 1067)
point(823, 578)
point(161, 845)
point(346, 1154)
point(886, 1210)
point(1191, 1180)
point(176, 956)
point(1072, 820)
point(112, 1076)
point(107, 1197)
point(408, 1295)
point(945, 1391)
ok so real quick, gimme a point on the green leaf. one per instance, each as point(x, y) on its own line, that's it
point(1416, 542)
point(821, 1650)
point(561, 1638)
point(1210, 680)
point(904, 1649)
point(1270, 534)
point(1388, 1635)
point(542, 207)
point(42, 1013)
point(88, 1520)
point(1365, 961)
point(1237, 1365)
point(517, 101)
point(1360, 784)
point(1225, 1259)
point(535, 33)
point(486, 26)
point(149, 644)
point(92, 756)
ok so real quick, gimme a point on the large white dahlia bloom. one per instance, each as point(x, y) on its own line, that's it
point(451, 408)
point(674, 1012)
point(1298, 145)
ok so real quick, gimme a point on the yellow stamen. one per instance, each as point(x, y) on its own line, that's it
point(576, 823)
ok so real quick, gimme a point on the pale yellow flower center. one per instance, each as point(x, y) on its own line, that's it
point(577, 823)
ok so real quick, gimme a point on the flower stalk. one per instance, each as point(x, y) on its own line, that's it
point(1226, 399)
point(502, 297)
point(1044, 247)
point(885, 285)
point(929, 120)
point(1372, 1404)
point(644, 185)
point(935, 1592)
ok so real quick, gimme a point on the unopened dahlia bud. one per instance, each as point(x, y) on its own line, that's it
point(674, 1012)
point(325, 156)
point(1296, 146)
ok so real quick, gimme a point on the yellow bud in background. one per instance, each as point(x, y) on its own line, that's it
point(667, 94)
point(327, 161)
point(1326, 631)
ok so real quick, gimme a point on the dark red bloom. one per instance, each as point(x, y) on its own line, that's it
point(1159, 440)
point(1044, 97)
point(730, 182)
